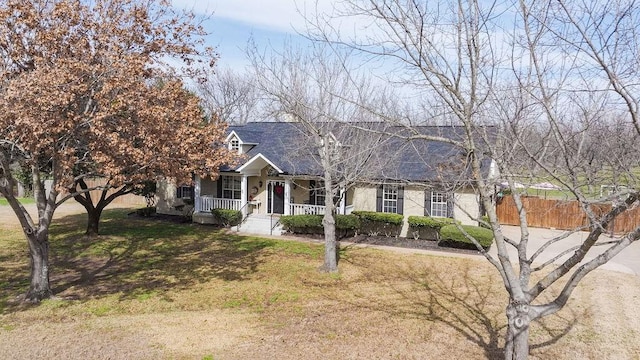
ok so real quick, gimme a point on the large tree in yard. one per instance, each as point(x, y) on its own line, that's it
point(86, 91)
point(560, 80)
point(314, 89)
point(175, 124)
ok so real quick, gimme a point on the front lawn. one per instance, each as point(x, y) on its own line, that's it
point(147, 289)
point(24, 201)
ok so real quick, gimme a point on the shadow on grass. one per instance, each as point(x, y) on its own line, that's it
point(463, 300)
point(133, 255)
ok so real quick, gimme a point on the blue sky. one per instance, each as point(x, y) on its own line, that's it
point(234, 22)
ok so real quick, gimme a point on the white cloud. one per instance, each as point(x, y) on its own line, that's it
point(278, 15)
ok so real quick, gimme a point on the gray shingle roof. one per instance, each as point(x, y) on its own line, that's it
point(276, 141)
point(418, 160)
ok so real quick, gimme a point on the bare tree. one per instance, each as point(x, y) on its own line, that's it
point(549, 75)
point(316, 90)
point(230, 96)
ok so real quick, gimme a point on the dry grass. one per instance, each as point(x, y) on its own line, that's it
point(150, 290)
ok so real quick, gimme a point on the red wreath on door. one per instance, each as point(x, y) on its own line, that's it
point(279, 189)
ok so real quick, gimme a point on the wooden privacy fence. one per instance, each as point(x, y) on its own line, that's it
point(563, 215)
point(129, 199)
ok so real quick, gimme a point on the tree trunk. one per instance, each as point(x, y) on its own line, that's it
point(39, 254)
point(95, 211)
point(517, 341)
point(330, 243)
point(329, 221)
point(93, 220)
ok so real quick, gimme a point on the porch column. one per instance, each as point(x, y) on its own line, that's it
point(287, 197)
point(243, 195)
point(197, 186)
point(343, 202)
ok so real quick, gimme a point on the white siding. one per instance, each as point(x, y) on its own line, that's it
point(413, 206)
point(470, 203)
point(166, 198)
point(364, 198)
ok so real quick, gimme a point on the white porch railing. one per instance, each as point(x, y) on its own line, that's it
point(209, 202)
point(348, 209)
point(304, 209)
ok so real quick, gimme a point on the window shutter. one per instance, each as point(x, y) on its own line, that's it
point(400, 200)
point(427, 203)
point(312, 192)
point(379, 199)
point(450, 205)
point(219, 187)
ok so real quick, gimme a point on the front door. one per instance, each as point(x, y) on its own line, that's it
point(275, 203)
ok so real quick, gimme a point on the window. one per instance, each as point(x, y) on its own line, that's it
point(231, 187)
point(234, 144)
point(390, 199)
point(184, 192)
point(319, 193)
point(438, 204)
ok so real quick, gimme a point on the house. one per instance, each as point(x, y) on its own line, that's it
point(275, 177)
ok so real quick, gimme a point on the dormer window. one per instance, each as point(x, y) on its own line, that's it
point(234, 144)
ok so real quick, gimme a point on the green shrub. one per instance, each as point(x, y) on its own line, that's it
point(430, 222)
point(302, 224)
point(346, 225)
point(146, 211)
point(484, 222)
point(226, 217)
point(395, 219)
point(347, 222)
point(426, 227)
point(377, 223)
point(452, 236)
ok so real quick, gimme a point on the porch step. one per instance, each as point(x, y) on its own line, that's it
point(256, 224)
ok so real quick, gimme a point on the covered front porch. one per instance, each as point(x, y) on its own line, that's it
point(265, 192)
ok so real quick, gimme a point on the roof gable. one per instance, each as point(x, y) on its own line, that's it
point(231, 135)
